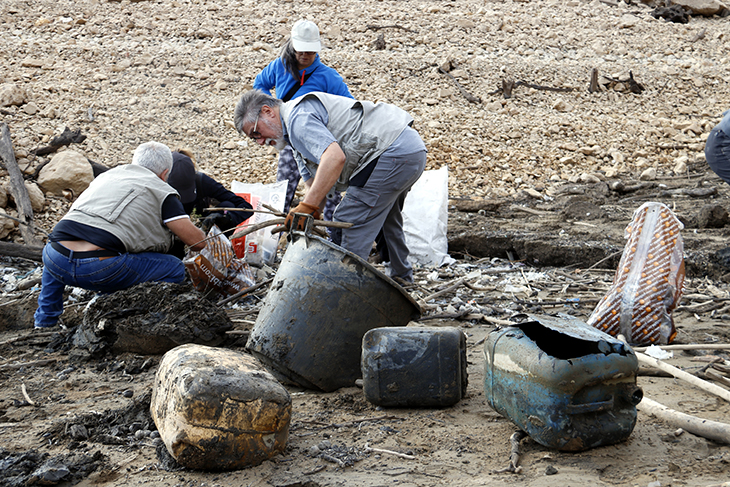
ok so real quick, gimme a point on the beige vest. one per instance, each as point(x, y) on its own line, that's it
point(127, 202)
point(363, 130)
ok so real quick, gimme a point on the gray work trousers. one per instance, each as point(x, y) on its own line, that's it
point(379, 204)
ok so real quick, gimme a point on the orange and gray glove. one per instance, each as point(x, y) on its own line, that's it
point(301, 208)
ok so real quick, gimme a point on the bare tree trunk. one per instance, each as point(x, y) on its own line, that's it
point(17, 187)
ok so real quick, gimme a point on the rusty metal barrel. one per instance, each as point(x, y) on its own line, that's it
point(322, 301)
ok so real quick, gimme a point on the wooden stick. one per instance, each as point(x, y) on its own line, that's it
point(514, 457)
point(37, 363)
point(279, 222)
point(242, 209)
point(705, 428)
point(687, 377)
point(713, 374)
point(452, 287)
point(12, 249)
point(369, 449)
point(709, 346)
point(469, 97)
point(244, 291)
point(26, 396)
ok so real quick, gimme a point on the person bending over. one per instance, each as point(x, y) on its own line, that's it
point(117, 233)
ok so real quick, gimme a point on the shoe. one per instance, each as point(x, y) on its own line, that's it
point(403, 282)
point(50, 326)
point(44, 326)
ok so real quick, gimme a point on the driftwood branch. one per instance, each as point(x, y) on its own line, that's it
point(11, 249)
point(17, 187)
point(244, 291)
point(685, 376)
point(694, 346)
point(514, 457)
point(369, 449)
point(378, 27)
point(508, 85)
point(67, 137)
point(593, 86)
point(25, 395)
point(469, 97)
point(705, 428)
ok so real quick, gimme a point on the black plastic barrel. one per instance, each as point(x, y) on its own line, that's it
point(321, 302)
point(414, 366)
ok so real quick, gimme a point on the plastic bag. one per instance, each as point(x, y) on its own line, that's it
point(259, 247)
point(425, 217)
point(215, 270)
point(649, 280)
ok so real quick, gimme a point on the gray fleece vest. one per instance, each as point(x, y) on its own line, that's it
point(127, 202)
point(363, 130)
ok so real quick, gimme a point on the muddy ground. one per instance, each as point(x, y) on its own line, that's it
point(90, 424)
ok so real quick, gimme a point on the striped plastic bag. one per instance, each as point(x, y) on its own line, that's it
point(649, 280)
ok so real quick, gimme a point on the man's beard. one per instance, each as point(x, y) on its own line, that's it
point(279, 141)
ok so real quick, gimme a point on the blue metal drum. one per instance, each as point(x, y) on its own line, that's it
point(569, 386)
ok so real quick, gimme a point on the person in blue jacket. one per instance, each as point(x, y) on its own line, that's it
point(717, 148)
point(296, 72)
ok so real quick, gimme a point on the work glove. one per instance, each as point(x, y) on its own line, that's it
point(218, 219)
point(301, 208)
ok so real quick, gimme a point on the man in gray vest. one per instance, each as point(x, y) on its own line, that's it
point(368, 149)
point(117, 233)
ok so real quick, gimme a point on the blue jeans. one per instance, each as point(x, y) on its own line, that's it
point(104, 275)
point(717, 153)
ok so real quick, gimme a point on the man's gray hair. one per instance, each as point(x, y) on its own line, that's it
point(249, 106)
point(154, 156)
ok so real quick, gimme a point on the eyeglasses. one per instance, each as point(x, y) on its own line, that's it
point(254, 135)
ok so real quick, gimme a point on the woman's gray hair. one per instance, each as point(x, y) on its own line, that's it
point(288, 57)
point(249, 106)
point(154, 156)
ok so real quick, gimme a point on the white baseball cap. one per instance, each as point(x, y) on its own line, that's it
point(305, 36)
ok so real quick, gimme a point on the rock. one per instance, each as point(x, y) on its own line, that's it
point(712, 216)
point(3, 196)
point(627, 21)
point(680, 165)
point(701, 7)
point(11, 94)
point(648, 174)
point(217, 409)
point(562, 106)
point(31, 63)
point(37, 198)
point(6, 224)
point(30, 108)
point(589, 178)
point(589, 151)
point(68, 170)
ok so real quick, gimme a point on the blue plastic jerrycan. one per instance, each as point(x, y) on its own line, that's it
point(567, 385)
